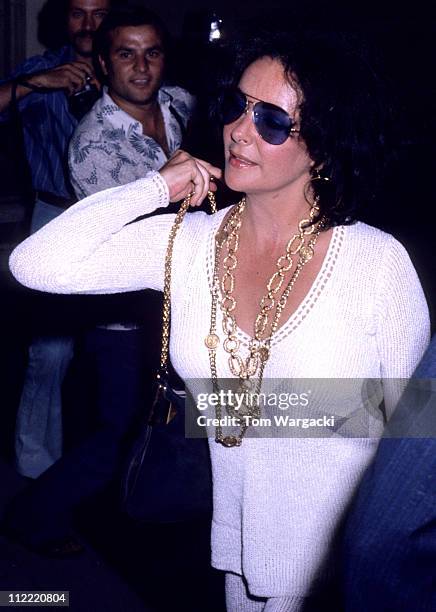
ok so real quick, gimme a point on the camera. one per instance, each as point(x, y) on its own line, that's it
point(82, 101)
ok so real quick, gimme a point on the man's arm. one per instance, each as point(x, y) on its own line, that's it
point(6, 94)
point(71, 77)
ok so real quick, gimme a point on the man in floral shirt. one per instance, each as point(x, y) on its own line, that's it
point(132, 129)
point(137, 123)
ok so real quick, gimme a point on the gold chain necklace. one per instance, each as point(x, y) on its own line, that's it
point(259, 346)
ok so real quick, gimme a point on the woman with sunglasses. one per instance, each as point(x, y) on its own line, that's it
point(283, 285)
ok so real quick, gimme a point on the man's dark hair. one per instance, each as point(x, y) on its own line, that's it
point(342, 108)
point(126, 17)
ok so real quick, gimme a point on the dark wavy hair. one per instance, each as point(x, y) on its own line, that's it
point(125, 17)
point(344, 114)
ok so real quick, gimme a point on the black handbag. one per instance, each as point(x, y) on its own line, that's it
point(168, 476)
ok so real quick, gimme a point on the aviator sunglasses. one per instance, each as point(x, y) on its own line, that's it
point(273, 124)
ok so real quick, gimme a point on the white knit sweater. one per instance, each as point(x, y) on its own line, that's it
point(276, 501)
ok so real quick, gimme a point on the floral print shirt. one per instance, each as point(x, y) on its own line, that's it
point(109, 148)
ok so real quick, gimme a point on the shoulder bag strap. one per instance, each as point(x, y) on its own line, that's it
point(166, 314)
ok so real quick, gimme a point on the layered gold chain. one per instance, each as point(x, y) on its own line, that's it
point(259, 345)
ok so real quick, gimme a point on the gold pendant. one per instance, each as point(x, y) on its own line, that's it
point(263, 353)
point(212, 341)
point(230, 441)
point(221, 237)
point(306, 253)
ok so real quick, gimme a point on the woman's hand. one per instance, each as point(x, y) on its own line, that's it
point(186, 175)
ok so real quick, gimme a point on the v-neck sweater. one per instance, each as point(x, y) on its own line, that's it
point(277, 502)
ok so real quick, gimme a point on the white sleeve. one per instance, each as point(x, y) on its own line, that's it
point(94, 248)
point(402, 321)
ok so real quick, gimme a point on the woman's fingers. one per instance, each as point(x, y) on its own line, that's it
point(186, 175)
point(201, 184)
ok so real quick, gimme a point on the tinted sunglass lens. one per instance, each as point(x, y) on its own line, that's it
point(273, 124)
point(232, 106)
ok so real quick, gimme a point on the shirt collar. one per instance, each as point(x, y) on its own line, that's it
point(119, 117)
point(164, 97)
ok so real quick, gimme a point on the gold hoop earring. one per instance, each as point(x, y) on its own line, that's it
point(317, 176)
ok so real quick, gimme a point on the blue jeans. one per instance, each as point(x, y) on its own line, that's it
point(119, 363)
point(38, 433)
